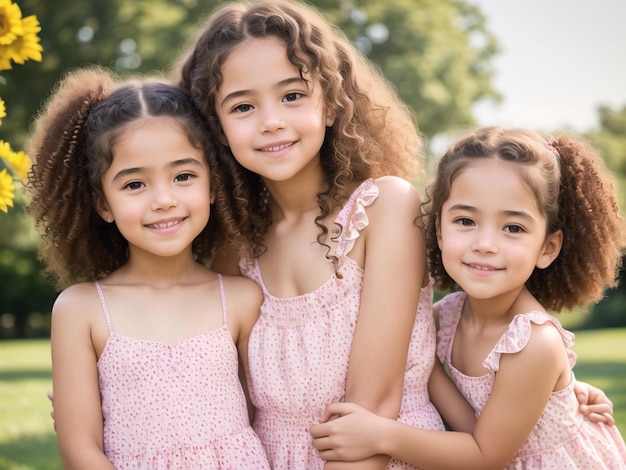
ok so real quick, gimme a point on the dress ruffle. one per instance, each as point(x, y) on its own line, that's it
point(518, 334)
point(356, 220)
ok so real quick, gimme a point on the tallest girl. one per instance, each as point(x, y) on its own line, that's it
point(321, 149)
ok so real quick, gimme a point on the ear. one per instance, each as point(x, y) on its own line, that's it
point(438, 231)
point(551, 249)
point(223, 140)
point(103, 210)
point(330, 117)
point(212, 197)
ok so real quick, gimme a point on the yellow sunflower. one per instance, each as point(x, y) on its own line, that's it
point(26, 46)
point(3, 110)
point(6, 190)
point(10, 21)
point(19, 162)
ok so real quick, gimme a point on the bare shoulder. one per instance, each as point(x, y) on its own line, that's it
point(397, 198)
point(243, 297)
point(393, 189)
point(545, 341)
point(76, 300)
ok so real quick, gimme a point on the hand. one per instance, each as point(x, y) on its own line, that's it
point(347, 432)
point(594, 403)
point(50, 396)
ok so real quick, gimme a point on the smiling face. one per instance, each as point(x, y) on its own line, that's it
point(491, 232)
point(273, 120)
point(157, 189)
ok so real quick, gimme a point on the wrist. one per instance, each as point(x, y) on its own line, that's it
point(384, 444)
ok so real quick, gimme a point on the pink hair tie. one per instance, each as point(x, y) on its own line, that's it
point(552, 148)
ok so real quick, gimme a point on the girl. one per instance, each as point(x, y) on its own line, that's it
point(144, 358)
point(312, 134)
point(544, 233)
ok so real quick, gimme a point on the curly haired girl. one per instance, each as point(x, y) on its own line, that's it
point(144, 352)
point(519, 226)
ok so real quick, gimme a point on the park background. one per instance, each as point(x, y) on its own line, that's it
point(551, 65)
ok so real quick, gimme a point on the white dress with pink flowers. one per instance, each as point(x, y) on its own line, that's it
point(300, 346)
point(563, 438)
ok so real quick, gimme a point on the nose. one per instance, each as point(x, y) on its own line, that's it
point(163, 198)
point(485, 241)
point(272, 119)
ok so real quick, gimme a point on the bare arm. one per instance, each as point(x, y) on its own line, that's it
point(75, 380)
point(394, 267)
point(244, 299)
point(451, 404)
point(521, 391)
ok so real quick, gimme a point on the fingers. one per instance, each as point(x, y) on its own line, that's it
point(336, 409)
point(605, 418)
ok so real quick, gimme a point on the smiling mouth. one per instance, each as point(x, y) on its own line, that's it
point(276, 148)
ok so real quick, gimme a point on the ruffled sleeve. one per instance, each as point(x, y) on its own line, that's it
point(353, 217)
point(518, 334)
point(450, 308)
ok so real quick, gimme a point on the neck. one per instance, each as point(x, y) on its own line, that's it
point(296, 196)
point(160, 271)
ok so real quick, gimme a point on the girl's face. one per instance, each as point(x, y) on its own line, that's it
point(273, 121)
point(157, 187)
point(492, 233)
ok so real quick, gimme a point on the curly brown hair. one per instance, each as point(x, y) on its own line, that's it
point(574, 190)
point(73, 141)
point(374, 133)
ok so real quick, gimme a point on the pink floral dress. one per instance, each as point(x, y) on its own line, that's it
point(175, 406)
point(300, 346)
point(563, 438)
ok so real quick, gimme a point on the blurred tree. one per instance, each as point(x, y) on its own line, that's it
point(437, 53)
point(610, 139)
point(23, 290)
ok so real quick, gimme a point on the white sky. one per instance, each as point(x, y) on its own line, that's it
point(559, 60)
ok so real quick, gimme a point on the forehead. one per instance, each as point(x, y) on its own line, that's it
point(255, 62)
point(493, 184)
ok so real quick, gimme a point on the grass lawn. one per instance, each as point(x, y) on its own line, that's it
point(27, 439)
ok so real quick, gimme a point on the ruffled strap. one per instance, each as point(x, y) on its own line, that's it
point(518, 334)
point(353, 217)
point(450, 308)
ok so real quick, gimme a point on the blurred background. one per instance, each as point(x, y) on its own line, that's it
point(550, 65)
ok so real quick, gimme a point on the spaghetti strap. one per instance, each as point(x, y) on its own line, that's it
point(223, 297)
point(104, 306)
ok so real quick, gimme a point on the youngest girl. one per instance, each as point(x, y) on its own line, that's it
point(145, 353)
point(519, 225)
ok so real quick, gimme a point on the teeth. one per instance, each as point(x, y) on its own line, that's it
point(165, 225)
point(481, 268)
point(276, 148)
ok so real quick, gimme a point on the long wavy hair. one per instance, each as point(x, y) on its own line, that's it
point(374, 133)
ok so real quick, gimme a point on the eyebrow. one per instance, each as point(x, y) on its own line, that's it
point(139, 169)
point(282, 83)
point(509, 213)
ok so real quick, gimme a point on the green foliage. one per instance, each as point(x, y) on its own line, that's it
point(437, 53)
point(610, 140)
